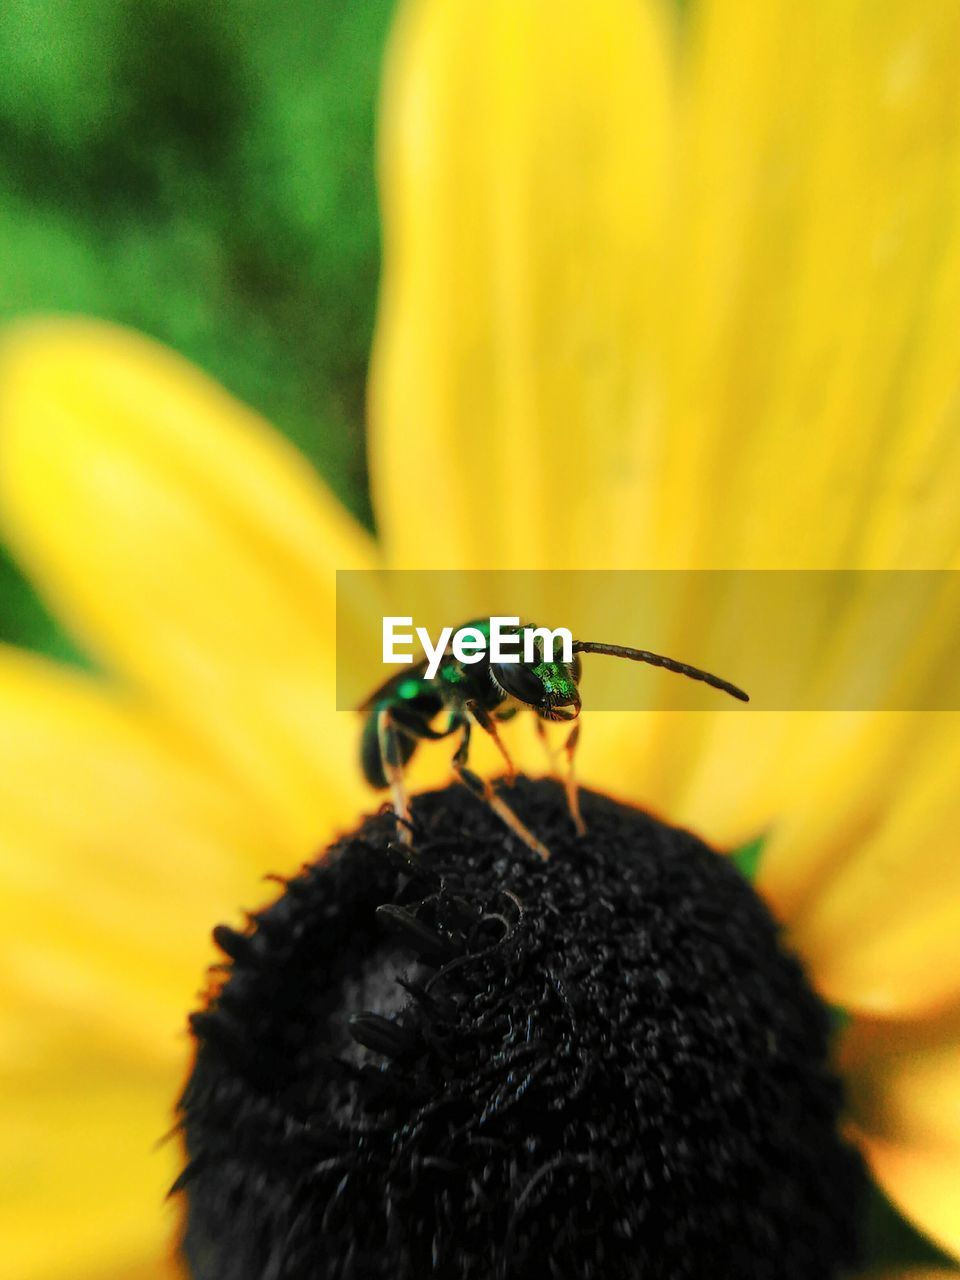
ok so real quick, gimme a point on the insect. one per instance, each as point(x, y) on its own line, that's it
point(402, 713)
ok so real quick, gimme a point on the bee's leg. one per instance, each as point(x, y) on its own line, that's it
point(570, 782)
point(397, 726)
point(489, 725)
point(541, 729)
point(484, 791)
point(388, 736)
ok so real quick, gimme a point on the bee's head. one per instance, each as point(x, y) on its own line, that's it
point(551, 689)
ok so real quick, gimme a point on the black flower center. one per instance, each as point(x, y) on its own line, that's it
point(476, 1065)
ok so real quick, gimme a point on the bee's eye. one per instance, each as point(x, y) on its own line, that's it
point(520, 681)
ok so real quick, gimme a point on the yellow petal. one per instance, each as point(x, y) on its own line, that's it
point(903, 1089)
point(83, 1171)
point(810, 381)
point(922, 1182)
point(191, 549)
point(859, 778)
point(797, 375)
point(791, 267)
point(880, 929)
point(903, 1078)
point(915, 1273)
point(119, 850)
point(523, 176)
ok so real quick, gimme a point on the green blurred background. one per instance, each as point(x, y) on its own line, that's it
point(204, 172)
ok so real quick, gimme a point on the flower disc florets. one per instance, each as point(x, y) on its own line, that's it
point(476, 1065)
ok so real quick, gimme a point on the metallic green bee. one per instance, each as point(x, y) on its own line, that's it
point(400, 715)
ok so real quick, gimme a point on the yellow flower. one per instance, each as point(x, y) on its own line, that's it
point(652, 298)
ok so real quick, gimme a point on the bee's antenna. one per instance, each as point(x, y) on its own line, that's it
point(658, 660)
